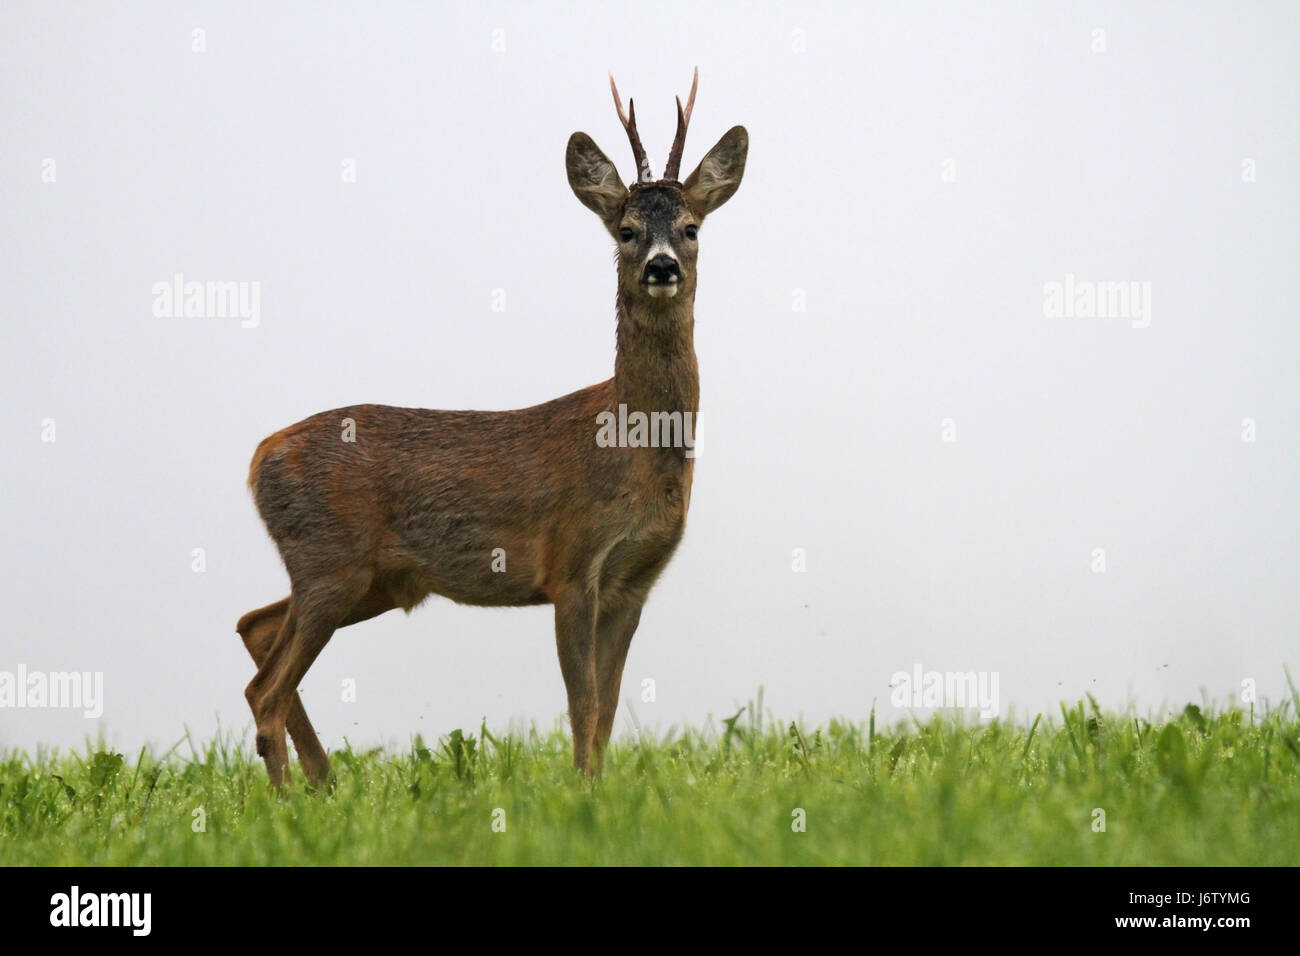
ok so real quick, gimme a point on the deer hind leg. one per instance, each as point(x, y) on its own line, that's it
point(575, 639)
point(259, 629)
point(313, 616)
point(614, 629)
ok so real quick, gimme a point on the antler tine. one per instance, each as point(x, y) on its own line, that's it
point(690, 100)
point(618, 103)
point(628, 119)
point(683, 120)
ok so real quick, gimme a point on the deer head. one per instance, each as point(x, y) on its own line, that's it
point(656, 222)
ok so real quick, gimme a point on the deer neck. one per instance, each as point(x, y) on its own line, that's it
point(655, 369)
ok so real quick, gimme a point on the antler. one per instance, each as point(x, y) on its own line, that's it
point(683, 120)
point(643, 173)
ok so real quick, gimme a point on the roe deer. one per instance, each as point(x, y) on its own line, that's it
point(418, 501)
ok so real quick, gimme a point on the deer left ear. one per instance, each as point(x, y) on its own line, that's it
point(717, 177)
point(594, 180)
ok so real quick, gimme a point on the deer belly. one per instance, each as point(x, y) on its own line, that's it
point(483, 570)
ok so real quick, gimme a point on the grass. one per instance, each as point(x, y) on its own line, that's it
point(1203, 788)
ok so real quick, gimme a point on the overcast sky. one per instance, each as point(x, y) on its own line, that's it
point(886, 382)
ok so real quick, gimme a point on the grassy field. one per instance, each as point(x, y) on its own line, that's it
point(1220, 788)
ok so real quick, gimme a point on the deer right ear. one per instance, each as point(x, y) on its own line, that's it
point(594, 180)
point(717, 177)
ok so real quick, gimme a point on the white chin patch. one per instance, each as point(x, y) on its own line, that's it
point(665, 291)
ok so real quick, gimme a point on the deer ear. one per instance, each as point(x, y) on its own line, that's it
point(594, 180)
point(717, 177)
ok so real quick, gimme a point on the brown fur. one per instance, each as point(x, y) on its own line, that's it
point(418, 502)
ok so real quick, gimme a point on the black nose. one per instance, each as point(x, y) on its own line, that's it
point(662, 268)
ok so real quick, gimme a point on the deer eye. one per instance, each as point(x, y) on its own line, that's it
point(627, 235)
point(691, 232)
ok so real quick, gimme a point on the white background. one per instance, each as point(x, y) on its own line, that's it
point(819, 429)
